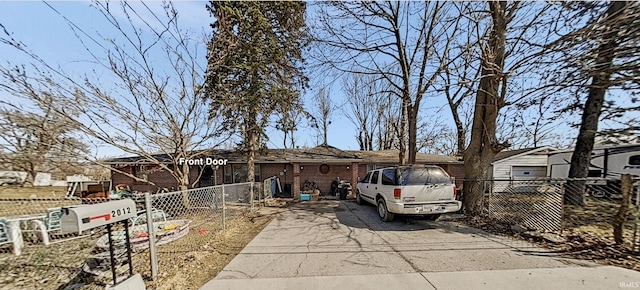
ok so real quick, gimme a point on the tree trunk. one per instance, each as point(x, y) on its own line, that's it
point(600, 82)
point(31, 176)
point(253, 147)
point(413, 127)
point(183, 185)
point(403, 131)
point(324, 131)
point(460, 134)
point(621, 217)
point(483, 145)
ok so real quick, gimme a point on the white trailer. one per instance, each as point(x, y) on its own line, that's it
point(607, 165)
point(608, 162)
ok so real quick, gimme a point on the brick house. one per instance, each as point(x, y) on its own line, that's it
point(321, 165)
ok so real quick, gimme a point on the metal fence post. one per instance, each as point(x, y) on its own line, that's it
point(635, 246)
point(251, 189)
point(152, 237)
point(487, 199)
point(224, 209)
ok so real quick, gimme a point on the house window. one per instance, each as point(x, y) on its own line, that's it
point(237, 173)
point(634, 160)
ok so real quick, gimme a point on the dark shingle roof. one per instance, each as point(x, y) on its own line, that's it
point(322, 153)
point(391, 156)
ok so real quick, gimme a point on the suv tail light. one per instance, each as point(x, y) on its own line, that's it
point(455, 192)
point(396, 193)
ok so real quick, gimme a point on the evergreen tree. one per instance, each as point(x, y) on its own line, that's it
point(255, 66)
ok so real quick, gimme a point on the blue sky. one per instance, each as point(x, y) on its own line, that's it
point(46, 33)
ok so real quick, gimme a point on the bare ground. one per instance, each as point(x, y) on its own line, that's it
point(587, 235)
point(193, 269)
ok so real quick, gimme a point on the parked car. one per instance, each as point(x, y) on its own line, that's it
point(415, 190)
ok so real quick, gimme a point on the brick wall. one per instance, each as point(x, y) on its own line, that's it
point(457, 171)
point(296, 180)
point(161, 178)
point(362, 170)
point(283, 171)
point(311, 172)
point(355, 172)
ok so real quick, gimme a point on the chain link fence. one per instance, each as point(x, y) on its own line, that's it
point(185, 221)
point(185, 224)
point(535, 204)
point(588, 207)
point(34, 253)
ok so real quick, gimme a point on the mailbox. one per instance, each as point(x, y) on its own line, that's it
point(80, 218)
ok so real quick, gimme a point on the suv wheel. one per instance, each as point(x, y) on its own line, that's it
point(358, 198)
point(384, 214)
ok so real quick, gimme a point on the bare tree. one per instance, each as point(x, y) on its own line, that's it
point(436, 137)
point(512, 47)
point(532, 124)
point(460, 79)
point(155, 110)
point(290, 120)
point(489, 99)
point(397, 41)
point(388, 131)
point(371, 111)
point(35, 142)
point(323, 110)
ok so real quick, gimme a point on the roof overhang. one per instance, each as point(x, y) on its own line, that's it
point(328, 161)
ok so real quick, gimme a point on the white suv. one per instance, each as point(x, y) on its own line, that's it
point(416, 190)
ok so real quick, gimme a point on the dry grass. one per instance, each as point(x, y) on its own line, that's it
point(596, 219)
point(192, 269)
point(32, 192)
point(586, 232)
point(187, 263)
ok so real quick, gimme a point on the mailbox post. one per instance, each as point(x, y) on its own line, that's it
point(85, 217)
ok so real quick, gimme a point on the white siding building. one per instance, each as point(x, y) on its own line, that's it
point(521, 164)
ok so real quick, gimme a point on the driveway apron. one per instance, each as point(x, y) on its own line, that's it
point(340, 245)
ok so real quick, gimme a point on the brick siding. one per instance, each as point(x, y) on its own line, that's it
point(286, 173)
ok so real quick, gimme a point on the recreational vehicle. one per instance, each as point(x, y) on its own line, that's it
point(607, 164)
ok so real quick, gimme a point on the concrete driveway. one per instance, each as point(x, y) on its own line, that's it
point(340, 245)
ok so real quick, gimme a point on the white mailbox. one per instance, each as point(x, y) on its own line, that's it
point(80, 218)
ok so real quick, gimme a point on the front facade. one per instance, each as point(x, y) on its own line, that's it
point(320, 165)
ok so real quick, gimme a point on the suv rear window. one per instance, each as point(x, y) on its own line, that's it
point(389, 176)
point(422, 176)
